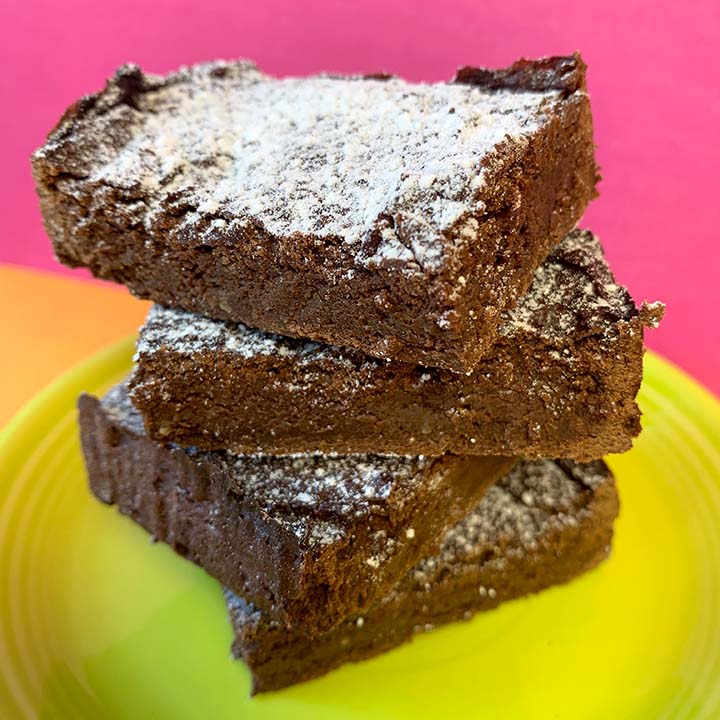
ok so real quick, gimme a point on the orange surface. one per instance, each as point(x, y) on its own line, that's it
point(50, 323)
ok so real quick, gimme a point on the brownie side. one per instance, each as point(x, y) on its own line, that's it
point(408, 289)
point(542, 525)
point(533, 203)
point(309, 538)
point(559, 381)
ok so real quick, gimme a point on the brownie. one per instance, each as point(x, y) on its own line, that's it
point(543, 524)
point(559, 381)
point(399, 219)
point(310, 538)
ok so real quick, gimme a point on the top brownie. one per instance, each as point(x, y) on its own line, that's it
point(399, 219)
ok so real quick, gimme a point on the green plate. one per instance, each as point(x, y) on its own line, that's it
point(96, 622)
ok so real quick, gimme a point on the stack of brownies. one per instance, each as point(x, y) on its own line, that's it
point(383, 364)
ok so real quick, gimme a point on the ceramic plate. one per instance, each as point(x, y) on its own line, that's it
point(97, 622)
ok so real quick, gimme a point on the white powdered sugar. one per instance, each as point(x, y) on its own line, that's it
point(344, 486)
point(321, 156)
point(574, 289)
point(187, 332)
point(532, 499)
point(117, 406)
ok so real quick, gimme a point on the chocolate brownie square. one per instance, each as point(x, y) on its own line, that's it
point(395, 218)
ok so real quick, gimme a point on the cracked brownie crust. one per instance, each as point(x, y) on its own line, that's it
point(310, 538)
point(398, 219)
point(559, 381)
point(543, 524)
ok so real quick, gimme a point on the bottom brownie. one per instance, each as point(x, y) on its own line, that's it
point(542, 524)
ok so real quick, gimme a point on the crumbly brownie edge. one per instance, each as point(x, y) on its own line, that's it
point(277, 658)
point(533, 215)
point(565, 73)
point(188, 501)
point(430, 322)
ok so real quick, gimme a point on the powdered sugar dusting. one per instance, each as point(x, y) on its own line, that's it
point(187, 332)
point(531, 500)
point(231, 148)
point(573, 290)
point(118, 407)
point(336, 485)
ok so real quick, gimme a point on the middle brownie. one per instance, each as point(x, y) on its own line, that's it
point(309, 538)
point(560, 381)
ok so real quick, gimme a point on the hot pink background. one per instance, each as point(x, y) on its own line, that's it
point(653, 78)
